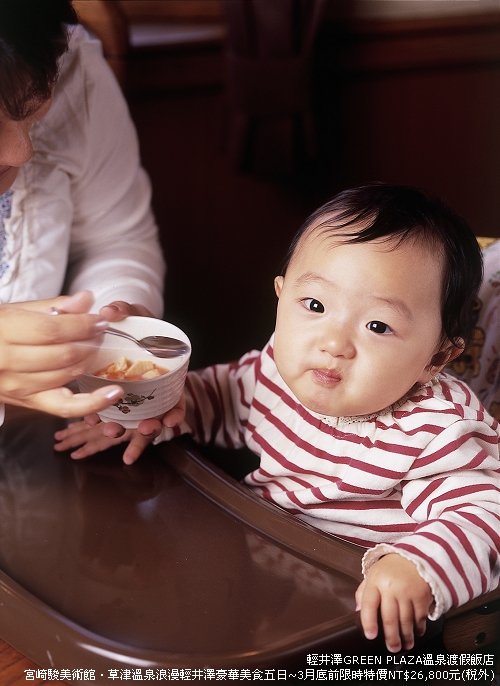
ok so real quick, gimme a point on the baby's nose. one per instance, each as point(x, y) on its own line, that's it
point(338, 343)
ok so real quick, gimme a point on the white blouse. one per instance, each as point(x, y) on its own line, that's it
point(81, 215)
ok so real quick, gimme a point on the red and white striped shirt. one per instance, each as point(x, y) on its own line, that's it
point(421, 479)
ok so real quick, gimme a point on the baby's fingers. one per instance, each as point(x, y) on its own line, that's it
point(389, 611)
point(407, 624)
point(420, 612)
point(112, 429)
point(150, 427)
point(72, 436)
point(96, 443)
point(137, 446)
point(176, 415)
point(368, 600)
point(92, 419)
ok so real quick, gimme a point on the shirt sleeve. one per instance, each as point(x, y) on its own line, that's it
point(114, 250)
point(218, 401)
point(454, 496)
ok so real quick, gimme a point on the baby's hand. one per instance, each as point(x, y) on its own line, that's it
point(93, 436)
point(394, 585)
point(87, 440)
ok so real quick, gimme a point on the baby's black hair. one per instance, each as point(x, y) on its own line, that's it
point(379, 211)
point(33, 35)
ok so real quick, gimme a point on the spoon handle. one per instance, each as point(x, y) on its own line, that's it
point(109, 329)
point(117, 332)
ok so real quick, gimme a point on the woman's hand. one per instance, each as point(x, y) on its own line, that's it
point(40, 353)
point(119, 309)
point(115, 312)
point(93, 436)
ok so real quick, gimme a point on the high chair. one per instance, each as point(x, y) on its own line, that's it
point(173, 564)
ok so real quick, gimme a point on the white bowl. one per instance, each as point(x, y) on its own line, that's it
point(141, 399)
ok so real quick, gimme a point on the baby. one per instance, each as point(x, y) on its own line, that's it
point(358, 430)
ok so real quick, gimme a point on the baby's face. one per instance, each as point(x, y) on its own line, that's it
point(357, 325)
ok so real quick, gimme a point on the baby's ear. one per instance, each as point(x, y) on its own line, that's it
point(278, 285)
point(448, 352)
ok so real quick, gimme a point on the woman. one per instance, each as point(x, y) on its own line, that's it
point(75, 211)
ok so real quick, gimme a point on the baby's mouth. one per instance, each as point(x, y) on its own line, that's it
point(327, 377)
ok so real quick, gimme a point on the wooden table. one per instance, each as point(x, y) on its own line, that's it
point(13, 665)
point(169, 563)
point(166, 564)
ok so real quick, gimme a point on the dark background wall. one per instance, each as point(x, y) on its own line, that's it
point(409, 100)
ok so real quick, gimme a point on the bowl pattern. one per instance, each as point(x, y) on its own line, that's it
point(141, 399)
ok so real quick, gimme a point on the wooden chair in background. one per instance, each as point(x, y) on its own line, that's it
point(268, 70)
point(159, 44)
point(108, 22)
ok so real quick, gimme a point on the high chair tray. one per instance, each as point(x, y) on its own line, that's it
point(166, 564)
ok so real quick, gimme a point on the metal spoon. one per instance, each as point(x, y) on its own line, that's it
point(159, 346)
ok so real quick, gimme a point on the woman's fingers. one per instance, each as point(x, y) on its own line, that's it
point(72, 357)
point(27, 327)
point(64, 403)
point(76, 303)
point(17, 387)
point(39, 352)
point(119, 309)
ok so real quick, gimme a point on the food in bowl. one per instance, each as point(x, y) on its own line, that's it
point(124, 369)
point(143, 398)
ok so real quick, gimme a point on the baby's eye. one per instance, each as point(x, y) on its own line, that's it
point(379, 327)
point(313, 305)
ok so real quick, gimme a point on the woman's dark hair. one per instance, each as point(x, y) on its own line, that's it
point(32, 38)
point(398, 214)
